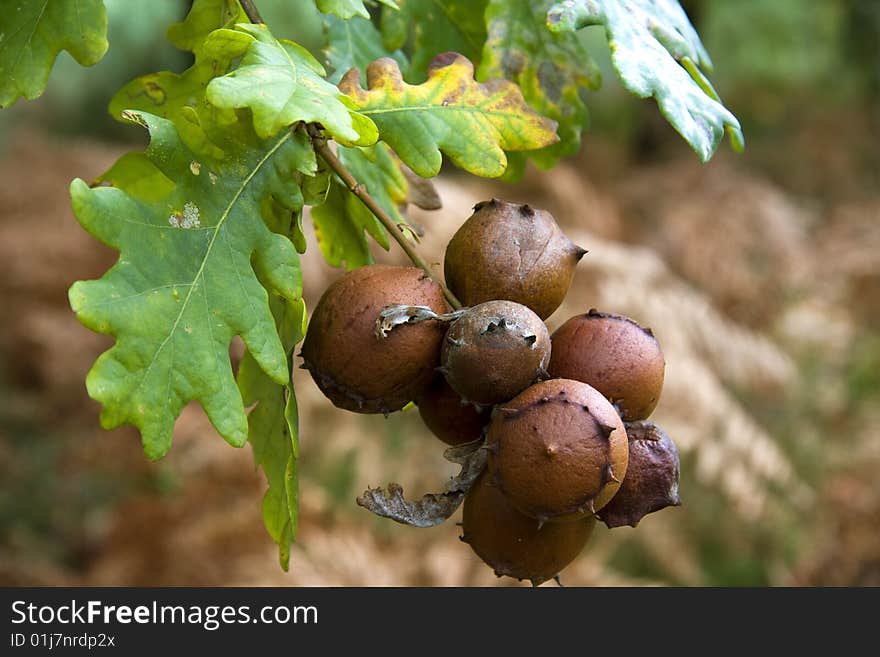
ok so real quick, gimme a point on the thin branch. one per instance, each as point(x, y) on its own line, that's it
point(321, 147)
point(251, 10)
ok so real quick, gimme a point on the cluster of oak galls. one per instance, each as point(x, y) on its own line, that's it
point(553, 412)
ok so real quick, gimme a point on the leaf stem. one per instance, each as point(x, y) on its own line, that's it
point(251, 10)
point(321, 148)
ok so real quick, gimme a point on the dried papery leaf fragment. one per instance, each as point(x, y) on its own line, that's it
point(432, 508)
point(511, 251)
point(651, 481)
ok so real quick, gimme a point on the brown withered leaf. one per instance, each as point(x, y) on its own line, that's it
point(432, 508)
point(422, 192)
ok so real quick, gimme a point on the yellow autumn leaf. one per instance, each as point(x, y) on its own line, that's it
point(472, 123)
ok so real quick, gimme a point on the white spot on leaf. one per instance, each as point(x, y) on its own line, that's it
point(195, 167)
point(189, 218)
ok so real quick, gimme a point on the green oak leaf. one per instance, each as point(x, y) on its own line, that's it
point(656, 52)
point(180, 97)
point(272, 428)
point(432, 27)
point(342, 222)
point(346, 9)
point(315, 185)
point(341, 225)
point(33, 32)
point(550, 68)
point(354, 43)
point(472, 123)
point(282, 84)
point(186, 281)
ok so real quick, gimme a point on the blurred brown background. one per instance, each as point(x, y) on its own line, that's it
point(759, 273)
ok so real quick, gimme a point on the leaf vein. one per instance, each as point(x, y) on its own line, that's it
point(30, 36)
point(135, 296)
